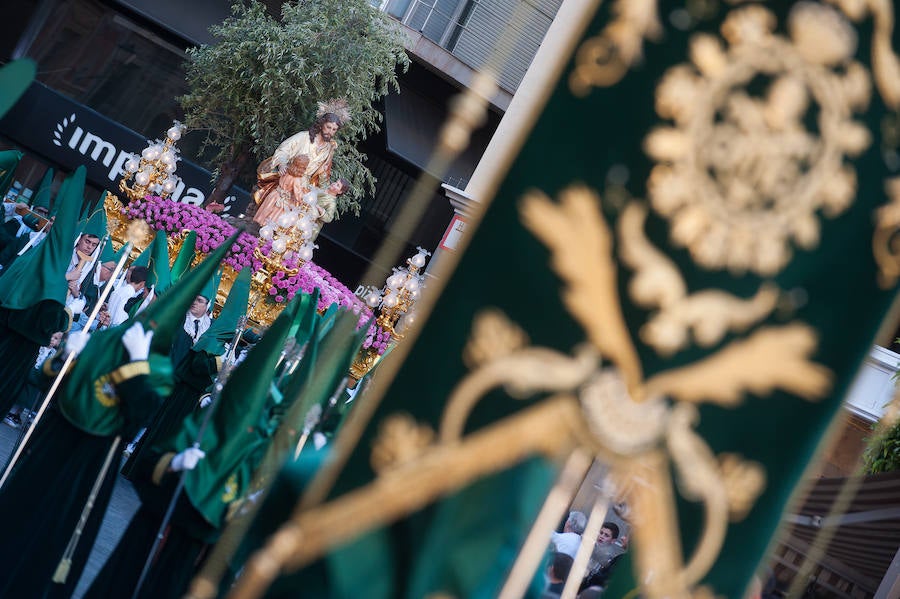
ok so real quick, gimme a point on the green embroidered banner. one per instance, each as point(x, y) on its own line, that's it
point(680, 274)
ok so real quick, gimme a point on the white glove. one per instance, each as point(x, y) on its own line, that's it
point(205, 400)
point(137, 342)
point(319, 440)
point(187, 459)
point(77, 305)
point(76, 341)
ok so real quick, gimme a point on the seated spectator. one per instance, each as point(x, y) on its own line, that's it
point(569, 539)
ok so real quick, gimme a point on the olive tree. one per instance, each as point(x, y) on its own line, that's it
point(262, 79)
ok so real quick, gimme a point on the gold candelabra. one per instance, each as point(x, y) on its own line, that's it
point(154, 170)
point(295, 229)
point(396, 299)
point(393, 305)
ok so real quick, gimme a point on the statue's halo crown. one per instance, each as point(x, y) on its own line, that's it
point(337, 107)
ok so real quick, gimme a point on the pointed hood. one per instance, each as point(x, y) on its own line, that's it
point(111, 255)
point(44, 267)
point(41, 196)
point(222, 328)
point(167, 312)
point(231, 440)
point(15, 77)
point(185, 256)
point(211, 289)
point(9, 160)
point(306, 314)
point(160, 271)
point(96, 223)
point(143, 258)
point(335, 353)
point(156, 258)
point(104, 352)
point(325, 365)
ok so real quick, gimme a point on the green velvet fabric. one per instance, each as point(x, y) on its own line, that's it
point(15, 77)
point(40, 274)
point(9, 160)
point(41, 196)
point(185, 255)
point(588, 140)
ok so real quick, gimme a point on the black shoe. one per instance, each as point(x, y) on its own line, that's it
point(13, 420)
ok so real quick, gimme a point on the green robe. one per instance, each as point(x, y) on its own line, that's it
point(187, 538)
point(193, 376)
point(44, 497)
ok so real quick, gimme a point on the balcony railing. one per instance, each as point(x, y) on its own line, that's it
point(470, 30)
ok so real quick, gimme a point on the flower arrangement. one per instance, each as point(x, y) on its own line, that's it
point(174, 217)
point(212, 231)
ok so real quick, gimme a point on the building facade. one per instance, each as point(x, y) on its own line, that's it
point(110, 72)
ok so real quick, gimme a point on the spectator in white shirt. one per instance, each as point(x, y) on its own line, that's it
point(569, 539)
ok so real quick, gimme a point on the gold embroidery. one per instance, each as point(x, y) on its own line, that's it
point(885, 63)
point(698, 480)
point(400, 440)
point(706, 315)
point(744, 481)
point(624, 426)
point(885, 242)
point(741, 177)
point(493, 336)
point(604, 59)
point(581, 247)
point(772, 357)
point(129, 371)
point(229, 492)
point(105, 393)
point(521, 372)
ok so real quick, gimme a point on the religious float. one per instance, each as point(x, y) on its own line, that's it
point(280, 256)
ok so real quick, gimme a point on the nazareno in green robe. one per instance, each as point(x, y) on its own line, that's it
point(193, 376)
point(187, 537)
point(45, 495)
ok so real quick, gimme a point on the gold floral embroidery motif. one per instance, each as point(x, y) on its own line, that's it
point(602, 60)
point(632, 418)
point(886, 240)
point(705, 316)
point(400, 440)
point(741, 177)
point(885, 62)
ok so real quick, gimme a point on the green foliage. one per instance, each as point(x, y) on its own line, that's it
point(263, 78)
point(883, 452)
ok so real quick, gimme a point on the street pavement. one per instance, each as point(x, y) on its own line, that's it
point(122, 507)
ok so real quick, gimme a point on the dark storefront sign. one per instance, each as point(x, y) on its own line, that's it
point(188, 20)
point(70, 134)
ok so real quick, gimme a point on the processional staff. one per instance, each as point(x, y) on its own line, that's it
point(219, 384)
point(67, 364)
